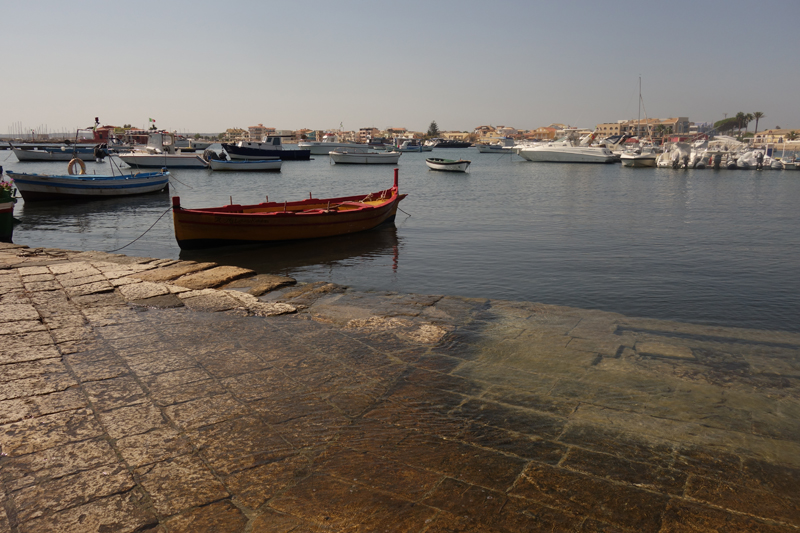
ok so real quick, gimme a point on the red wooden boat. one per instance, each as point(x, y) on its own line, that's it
point(275, 221)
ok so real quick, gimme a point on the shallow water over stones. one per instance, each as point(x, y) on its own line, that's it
point(384, 412)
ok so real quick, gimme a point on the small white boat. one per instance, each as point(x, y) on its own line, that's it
point(450, 165)
point(358, 157)
point(640, 157)
point(502, 146)
point(200, 145)
point(246, 165)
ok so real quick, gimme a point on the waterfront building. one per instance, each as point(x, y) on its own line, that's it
point(645, 126)
point(393, 133)
point(364, 135)
point(545, 133)
point(235, 135)
point(256, 133)
point(777, 136)
point(455, 135)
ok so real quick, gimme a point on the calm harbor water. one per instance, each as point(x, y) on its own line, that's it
point(713, 247)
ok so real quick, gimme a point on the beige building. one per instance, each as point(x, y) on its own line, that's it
point(256, 133)
point(776, 136)
point(654, 126)
point(545, 133)
point(364, 135)
point(454, 135)
point(236, 134)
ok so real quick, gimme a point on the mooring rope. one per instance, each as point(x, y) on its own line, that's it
point(143, 234)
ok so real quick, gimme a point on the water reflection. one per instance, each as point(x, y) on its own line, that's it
point(85, 216)
point(284, 258)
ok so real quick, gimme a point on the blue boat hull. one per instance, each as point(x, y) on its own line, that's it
point(39, 187)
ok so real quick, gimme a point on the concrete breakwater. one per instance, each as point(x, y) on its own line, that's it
point(141, 394)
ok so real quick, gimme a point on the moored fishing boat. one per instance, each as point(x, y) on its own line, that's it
point(268, 147)
point(246, 164)
point(283, 221)
point(357, 157)
point(60, 153)
point(34, 187)
point(161, 151)
point(450, 165)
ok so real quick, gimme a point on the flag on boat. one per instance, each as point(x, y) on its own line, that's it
point(151, 120)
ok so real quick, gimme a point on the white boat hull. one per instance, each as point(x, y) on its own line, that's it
point(163, 160)
point(323, 148)
point(448, 166)
point(246, 165)
point(368, 158)
point(567, 154)
point(493, 149)
point(638, 161)
point(44, 155)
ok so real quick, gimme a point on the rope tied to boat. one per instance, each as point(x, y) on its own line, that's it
point(143, 234)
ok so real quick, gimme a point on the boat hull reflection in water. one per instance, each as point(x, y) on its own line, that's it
point(290, 257)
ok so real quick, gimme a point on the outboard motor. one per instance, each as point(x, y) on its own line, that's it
point(209, 154)
point(717, 161)
point(760, 161)
point(100, 152)
point(686, 161)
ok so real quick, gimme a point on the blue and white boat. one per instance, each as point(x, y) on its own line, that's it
point(35, 187)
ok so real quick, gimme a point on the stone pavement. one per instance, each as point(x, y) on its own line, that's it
point(136, 395)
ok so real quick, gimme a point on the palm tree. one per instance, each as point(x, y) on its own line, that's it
point(757, 115)
point(748, 118)
point(791, 136)
point(739, 121)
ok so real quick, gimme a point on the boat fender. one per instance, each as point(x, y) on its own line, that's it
point(76, 161)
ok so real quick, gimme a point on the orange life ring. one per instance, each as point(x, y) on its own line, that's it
point(71, 166)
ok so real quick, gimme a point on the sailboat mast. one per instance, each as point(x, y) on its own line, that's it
point(639, 118)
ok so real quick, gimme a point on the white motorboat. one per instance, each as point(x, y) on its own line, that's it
point(640, 157)
point(449, 165)
point(200, 145)
point(358, 157)
point(677, 156)
point(412, 145)
point(329, 142)
point(162, 152)
point(502, 146)
point(566, 150)
point(245, 165)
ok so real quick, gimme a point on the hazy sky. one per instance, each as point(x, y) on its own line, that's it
point(207, 66)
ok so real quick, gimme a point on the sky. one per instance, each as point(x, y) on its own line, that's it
point(202, 66)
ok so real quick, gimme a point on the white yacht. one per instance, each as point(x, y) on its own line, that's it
point(566, 150)
point(640, 157)
point(329, 143)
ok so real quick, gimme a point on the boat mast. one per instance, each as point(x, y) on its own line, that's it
point(639, 118)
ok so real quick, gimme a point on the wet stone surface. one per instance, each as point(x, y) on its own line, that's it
point(169, 396)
